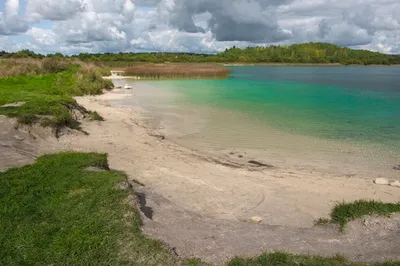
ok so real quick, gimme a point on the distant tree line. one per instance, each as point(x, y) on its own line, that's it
point(321, 53)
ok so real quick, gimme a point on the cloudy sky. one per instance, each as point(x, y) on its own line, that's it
point(72, 26)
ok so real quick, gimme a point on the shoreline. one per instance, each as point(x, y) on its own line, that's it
point(167, 167)
point(202, 204)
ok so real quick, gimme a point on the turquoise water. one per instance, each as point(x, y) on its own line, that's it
point(336, 103)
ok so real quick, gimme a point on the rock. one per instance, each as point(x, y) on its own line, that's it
point(396, 167)
point(19, 138)
point(240, 156)
point(394, 183)
point(16, 104)
point(256, 219)
point(381, 181)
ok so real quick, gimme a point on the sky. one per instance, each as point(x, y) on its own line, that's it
point(200, 26)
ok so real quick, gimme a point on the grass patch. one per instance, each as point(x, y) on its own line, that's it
point(94, 116)
point(344, 212)
point(287, 259)
point(55, 213)
point(49, 98)
point(322, 221)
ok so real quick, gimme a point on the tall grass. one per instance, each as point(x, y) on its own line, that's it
point(47, 88)
point(175, 71)
point(32, 67)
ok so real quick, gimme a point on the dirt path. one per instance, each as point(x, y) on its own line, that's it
point(201, 205)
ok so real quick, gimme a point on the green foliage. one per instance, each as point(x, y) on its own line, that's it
point(323, 53)
point(287, 259)
point(312, 53)
point(55, 213)
point(94, 116)
point(342, 213)
point(48, 98)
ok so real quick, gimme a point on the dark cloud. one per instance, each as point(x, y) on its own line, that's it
point(12, 25)
point(234, 20)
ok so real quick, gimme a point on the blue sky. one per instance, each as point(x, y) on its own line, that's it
point(73, 26)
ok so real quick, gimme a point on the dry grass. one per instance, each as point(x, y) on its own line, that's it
point(32, 67)
point(159, 71)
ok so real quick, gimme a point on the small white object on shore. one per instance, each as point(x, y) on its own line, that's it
point(256, 219)
point(394, 183)
point(381, 181)
point(127, 87)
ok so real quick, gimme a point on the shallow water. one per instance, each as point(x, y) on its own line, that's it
point(346, 114)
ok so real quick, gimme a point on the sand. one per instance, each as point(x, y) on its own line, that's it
point(202, 202)
point(227, 189)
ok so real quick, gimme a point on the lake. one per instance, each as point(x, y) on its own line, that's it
point(349, 116)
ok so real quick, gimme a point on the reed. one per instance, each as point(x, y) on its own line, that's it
point(177, 71)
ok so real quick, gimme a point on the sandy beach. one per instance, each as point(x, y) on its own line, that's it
point(201, 203)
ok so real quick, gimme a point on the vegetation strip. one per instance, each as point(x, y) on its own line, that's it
point(55, 213)
point(177, 71)
point(47, 97)
point(305, 53)
point(344, 212)
point(287, 259)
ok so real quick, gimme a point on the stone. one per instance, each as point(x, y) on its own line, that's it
point(19, 138)
point(16, 104)
point(394, 183)
point(396, 167)
point(381, 181)
point(256, 219)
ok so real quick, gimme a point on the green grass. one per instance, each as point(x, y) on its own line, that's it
point(55, 213)
point(48, 98)
point(286, 259)
point(344, 212)
point(94, 116)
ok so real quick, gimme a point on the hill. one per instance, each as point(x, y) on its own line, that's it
point(307, 53)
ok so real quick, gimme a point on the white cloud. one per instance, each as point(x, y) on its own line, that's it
point(202, 25)
point(55, 10)
point(10, 22)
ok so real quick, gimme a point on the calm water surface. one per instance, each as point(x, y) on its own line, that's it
point(354, 103)
point(321, 110)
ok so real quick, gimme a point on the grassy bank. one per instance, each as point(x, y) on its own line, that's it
point(345, 212)
point(177, 71)
point(46, 94)
point(56, 213)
